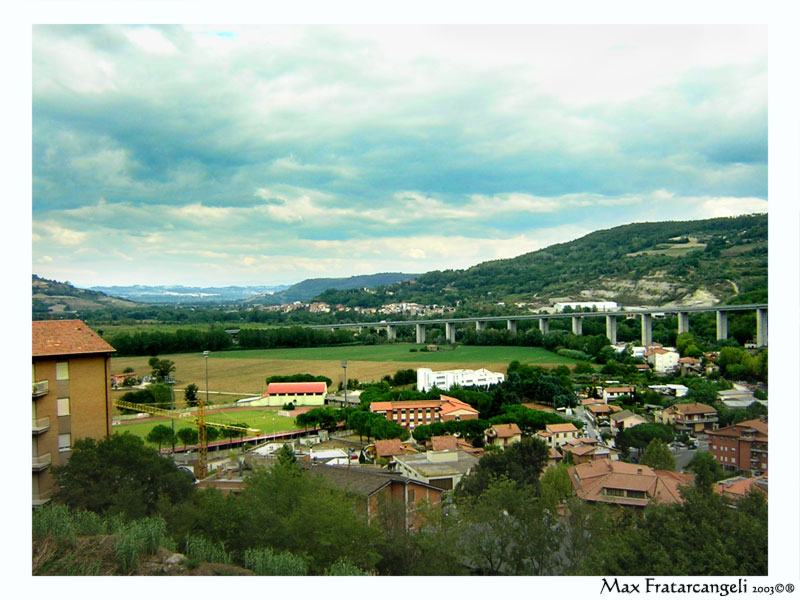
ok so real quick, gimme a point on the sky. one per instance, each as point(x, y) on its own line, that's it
point(227, 155)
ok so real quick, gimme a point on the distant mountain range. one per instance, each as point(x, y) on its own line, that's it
point(49, 296)
point(179, 294)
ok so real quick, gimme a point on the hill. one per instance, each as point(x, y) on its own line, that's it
point(673, 262)
point(180, 294)
point(54, 297)
point(309, 288)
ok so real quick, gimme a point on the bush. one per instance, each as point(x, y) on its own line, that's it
point(200, 548)
point(344, 568)
point(264, 561)
point(288, 406)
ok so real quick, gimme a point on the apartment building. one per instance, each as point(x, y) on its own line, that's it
point(412, 413)
point(71, 395)
point(692, 417)
point(742, 447)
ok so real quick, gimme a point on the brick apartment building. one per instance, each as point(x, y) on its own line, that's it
point(412, 413)
point(71, 395)
point(743, 447)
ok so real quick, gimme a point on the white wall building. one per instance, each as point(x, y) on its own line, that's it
point(444, 380)
point(560, 306)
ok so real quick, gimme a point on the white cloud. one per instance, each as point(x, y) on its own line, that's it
point(150, 40)
point(198, 211)
point(61, 235)
point(731, 207)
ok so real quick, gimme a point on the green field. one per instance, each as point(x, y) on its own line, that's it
point(401, 353)
point(268, 421)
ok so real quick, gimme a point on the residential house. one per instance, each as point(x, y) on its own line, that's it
point(625, 419)
point(688, 364)
point(557, 434)
point(388, 449)
point(451, 442)
point(586, 449)
point(743, 447)
point(412, 413)
point(376, 491)
point(662, 360)
point(675, 390)
point(616, 482)
point(599, 413)
point(737, 488)
point(442, 469)
point(694, 417)
point(71, 370)
point(503, 435)
point(612, 393)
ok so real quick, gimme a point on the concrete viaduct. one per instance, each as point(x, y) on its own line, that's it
point(646, 315)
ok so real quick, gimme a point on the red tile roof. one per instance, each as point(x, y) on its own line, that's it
point(506, 430)
point(301, 387)
point(444, 442)
point(58, 338)
point(694, 408)
point(561, 427)
point(388, 447)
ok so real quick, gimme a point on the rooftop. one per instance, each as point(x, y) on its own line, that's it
point(58, 338)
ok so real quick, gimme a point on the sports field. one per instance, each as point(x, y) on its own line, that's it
point(267, 421)
point(241, 373)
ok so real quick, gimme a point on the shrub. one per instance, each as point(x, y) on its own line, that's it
point(200, 548)
point(126, 549)
point(343, 567)
point(288, 406)
point(54, 520)
point(264, 561)
point(143, 536)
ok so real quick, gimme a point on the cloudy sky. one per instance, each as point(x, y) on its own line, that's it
point(206, 155)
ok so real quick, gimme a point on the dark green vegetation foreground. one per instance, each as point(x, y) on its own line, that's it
point(286, 522)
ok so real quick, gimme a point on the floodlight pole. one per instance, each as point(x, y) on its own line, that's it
point(344, 366)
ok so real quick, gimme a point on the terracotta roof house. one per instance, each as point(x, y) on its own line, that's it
point(617, 482)
point(71, 367)
point(376, 490)
point(586, 449)
point(738, 487)
point(694, 417)
point(390, 448)
point(451, 442)
point(744, 446)
point(411, 413)
point(612, 393)
point(662, 360)
point(557, 434)
point(503, 435)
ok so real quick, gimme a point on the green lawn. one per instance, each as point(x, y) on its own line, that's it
point(268, 421)
point(401, 353)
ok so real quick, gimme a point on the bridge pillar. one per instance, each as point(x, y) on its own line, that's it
point(450, 332)
point(577, 325)
point(544, 326)
point(391, 332)
point(480, 326)
point(647, 329)
point(683, 322)
point(420, 333)
point(512, 327)
point(761, 327)
point(611, 328)
point(722, 325)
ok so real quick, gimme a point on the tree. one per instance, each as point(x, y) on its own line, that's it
point(161, 368)
point(161, 434)
point(707, 471)
point(556, 485)
point(286, 455)
point(657, 456)
point(640, 436)
point(521, 463)
point(120, 475)
point(188, 436)
point(190, 395)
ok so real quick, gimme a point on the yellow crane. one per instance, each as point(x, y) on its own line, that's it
point(199, 420)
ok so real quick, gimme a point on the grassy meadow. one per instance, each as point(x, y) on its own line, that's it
point(242, 373)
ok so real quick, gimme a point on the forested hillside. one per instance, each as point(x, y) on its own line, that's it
point(307, 289)
point(50, 297)
point(683, 262)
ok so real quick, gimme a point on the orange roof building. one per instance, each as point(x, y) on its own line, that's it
point(412, 413)
point(616, 482)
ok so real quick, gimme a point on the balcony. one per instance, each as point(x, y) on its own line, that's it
point(40, 388)
point(43, 498)
point(41, 425)
point(40, 463)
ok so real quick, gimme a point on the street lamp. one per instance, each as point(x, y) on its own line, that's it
point(344, 366)
point(205, 355)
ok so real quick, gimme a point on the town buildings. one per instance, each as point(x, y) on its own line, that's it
point(412, 413)
point(442, 469)
point(503, 435)
point(444, 380)
point(557, 434)
point(691, 417)
point(663, 360)
point(742, 447)
point(71, 395)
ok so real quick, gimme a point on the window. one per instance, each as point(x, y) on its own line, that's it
point(62, 407)
point(733, 460)
point(64, 442)
point(411, 495)
point(62, 371)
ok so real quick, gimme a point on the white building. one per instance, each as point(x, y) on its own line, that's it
point(444, 380)
point(560, 306)
point(662, 359)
